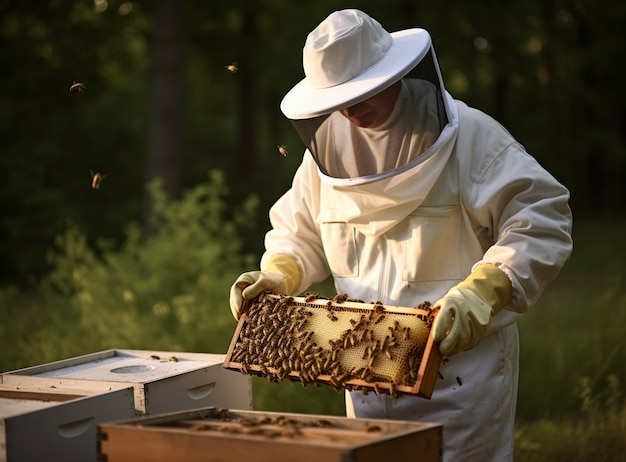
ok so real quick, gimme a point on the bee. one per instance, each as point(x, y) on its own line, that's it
point(79, 87)
point(244, 368)
point(310, 296)
point(96, 179)
point(283, 150)
point(335, 382)
point(199, 427)
point(459, 381)
point(367, 353)
point(322, 423)
point(232, 68)
point(392, 390)
point(377, 389)
point(221, 413)
point(154, 357)
point(174, 359)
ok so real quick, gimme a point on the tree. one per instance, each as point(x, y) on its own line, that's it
point(163, 159)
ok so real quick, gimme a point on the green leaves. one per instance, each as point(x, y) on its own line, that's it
point(168, 290)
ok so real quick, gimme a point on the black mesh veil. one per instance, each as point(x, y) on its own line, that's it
point(326, 143)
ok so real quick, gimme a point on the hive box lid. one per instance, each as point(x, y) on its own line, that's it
point(163, 381)
point(136, 366)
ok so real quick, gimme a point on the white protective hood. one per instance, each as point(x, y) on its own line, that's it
point(378, 176)
point(375, 203)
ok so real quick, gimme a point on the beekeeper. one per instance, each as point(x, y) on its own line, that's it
point(406, 195)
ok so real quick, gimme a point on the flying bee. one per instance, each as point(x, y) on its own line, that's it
point(96, 179)
point(79, 87)
point(283, 150)
point(232, 68)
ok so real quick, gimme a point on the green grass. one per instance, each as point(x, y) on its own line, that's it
point(565, 440)
point(577, 328)
point(570, 405)
point(573, 352)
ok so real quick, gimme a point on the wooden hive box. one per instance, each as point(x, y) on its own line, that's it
point(224, 435)
point(56, 423)
point(342, 343)
point(162, 381)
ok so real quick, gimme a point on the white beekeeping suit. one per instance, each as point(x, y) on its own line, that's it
point(437, 199)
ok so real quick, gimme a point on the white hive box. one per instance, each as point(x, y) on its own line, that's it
point(55, 423)
point(162, 381)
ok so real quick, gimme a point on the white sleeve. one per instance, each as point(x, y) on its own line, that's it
point(294, 229)
point(525, 212)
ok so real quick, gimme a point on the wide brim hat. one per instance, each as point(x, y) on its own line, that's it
point(348, 58)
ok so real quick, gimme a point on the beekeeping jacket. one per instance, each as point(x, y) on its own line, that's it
point(452, 190)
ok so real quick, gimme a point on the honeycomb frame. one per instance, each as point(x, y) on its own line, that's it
point(339, 342)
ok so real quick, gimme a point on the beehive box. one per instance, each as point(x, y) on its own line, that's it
point(162, 381)
point(55, 423)
point(342, 343)
point(224, 435)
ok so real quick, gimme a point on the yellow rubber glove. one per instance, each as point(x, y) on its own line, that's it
point(279, 274)
point(467, 308)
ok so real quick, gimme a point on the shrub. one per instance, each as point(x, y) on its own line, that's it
point(168, 290)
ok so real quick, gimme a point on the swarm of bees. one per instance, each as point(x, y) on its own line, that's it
point(268, 426)
point(371, 351)
point(78, 87)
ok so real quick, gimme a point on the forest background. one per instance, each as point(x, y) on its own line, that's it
point(188, 155)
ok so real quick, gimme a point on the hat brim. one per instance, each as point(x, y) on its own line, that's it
point(304, 101)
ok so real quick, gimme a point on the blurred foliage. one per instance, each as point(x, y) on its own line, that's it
point(51, 138)
point(164, 292)
point(546, 70)
point(567, 440)
point(598, 431)
point(576, 328)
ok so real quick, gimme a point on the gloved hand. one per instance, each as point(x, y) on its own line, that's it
point(467, 308)
point(279, 274)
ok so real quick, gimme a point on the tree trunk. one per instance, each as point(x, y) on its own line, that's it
point(247, 146)
point(163, 157)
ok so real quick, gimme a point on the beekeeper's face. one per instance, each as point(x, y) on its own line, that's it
point(375, 110)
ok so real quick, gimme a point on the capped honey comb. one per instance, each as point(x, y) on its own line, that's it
point(347, 344)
